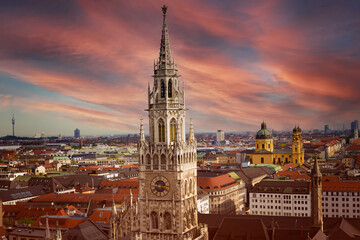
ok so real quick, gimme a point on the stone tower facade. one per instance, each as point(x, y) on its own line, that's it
point(297, 146)
point(167, 163)
point(316, 196)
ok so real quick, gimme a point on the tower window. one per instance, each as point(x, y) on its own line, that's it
point(170, 89)
point(161, 130)
point(172, 130)
point(154, 220)
point(262, 160)
point(167, 220)
point(162, 89)
point(263, 146)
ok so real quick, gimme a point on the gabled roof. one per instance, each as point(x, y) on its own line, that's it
point(125, 183)
point(279, 187)
point(16, 194)
point(86, 231)
point(247, 229)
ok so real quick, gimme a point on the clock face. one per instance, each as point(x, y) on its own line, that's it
point(160, 186)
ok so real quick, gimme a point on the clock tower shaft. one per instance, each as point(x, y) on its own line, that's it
point(167, 162)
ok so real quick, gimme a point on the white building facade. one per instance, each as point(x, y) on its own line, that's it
point(281, 198)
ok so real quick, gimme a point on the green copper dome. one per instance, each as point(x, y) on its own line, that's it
point(263, 133)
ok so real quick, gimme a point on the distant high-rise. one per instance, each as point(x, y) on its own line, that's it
point(326, 129)
point(220, 136)
point(76, 133)
point(13, 125)
point(354, 124)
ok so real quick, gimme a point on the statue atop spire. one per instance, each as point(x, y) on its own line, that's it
point(164, 9)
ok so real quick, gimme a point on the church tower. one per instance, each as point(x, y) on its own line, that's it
point(167, 163)
point(356, 132)
point(297, 146)
point(316, 196)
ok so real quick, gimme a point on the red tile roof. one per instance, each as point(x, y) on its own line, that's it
point(71, 198)
point(127, 183)
point(288, 166)
point(101, 216)
point(294, 175)
point(65, 222)
point(341, 186)
point(34, 213)
point(216, 183)
point(354, 147)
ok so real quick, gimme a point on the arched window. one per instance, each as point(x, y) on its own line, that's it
point(162, 89)
point(173, 130)
point(161, 130)
point(181, 130)
point(186, 187)
point(163, 159)
point(172, 160)
point(170, 89)
point(190, 186)
point(156, 162)
point(167, 220)
point(148, 161)
point(154, 220)
point(142, 159)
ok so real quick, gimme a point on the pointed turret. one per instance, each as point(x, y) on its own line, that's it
point(58, 232)
point(113, 218)
point(47, 230)
point(113, 210)
point(315, 171)
point(142, 134)
point(131, 198)
point(316, 196)
point(191, 132)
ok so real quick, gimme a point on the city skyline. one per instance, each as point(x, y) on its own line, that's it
point(87, 65)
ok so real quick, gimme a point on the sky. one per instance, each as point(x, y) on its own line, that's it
point(86, 64)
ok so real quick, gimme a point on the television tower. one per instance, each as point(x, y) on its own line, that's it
point(13, 125)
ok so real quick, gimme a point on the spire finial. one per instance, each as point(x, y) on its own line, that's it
point(164, 9)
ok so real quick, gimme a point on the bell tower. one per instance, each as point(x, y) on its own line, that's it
point(297, 146)
point(167, 162)
point(316, 196)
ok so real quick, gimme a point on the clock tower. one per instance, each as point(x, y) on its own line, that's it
point(167, 162)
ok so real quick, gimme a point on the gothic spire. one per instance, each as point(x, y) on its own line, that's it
point(58, 232)
point(47, 230)
point(316, 169)
point(165, 58)
point(113, 210)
